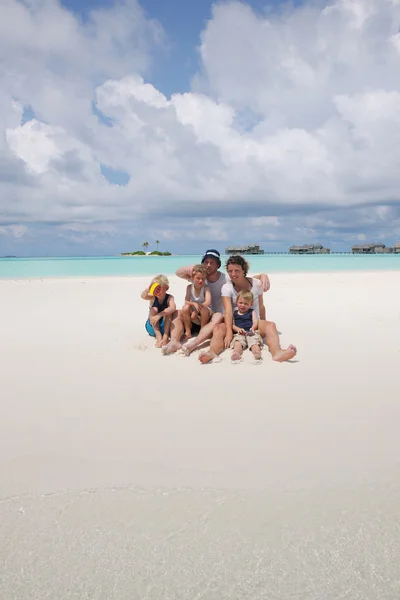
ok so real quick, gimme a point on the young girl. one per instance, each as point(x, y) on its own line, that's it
point(197, 311)
point(162, 308)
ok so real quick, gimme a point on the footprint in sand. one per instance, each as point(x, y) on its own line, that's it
point(141, 347)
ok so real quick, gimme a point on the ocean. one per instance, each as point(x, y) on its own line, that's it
point(128, 266)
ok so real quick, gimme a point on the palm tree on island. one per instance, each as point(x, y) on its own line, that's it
point(157, 243)
point(145, 245)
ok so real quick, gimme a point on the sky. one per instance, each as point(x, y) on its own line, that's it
point(199, 124)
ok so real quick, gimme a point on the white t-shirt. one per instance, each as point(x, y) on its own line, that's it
point(228, 291)
point(215, 289)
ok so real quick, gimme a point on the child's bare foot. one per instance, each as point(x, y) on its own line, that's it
point(236, 356)
point(282, 355)
point(256, 350)
point(159, 342)
point(187, 335)
point(164, 340)
point(171, 347)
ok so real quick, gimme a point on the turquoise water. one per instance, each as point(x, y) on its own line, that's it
point(106, 266)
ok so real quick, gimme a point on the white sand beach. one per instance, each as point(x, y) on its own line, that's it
point(128, 475)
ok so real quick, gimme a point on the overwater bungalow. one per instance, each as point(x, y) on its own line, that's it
point(249, 249)
point(371, 249)
point(396, 248)
point(309, 249)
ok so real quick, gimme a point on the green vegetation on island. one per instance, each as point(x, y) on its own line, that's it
point(143, 252)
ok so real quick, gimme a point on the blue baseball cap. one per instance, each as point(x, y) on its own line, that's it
point(212, 253)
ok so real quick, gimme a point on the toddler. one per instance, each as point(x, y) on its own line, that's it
point(245, 325)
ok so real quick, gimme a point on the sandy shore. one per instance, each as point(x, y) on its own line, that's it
point(127, 475)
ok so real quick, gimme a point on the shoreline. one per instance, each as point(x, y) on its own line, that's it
point(128, 277)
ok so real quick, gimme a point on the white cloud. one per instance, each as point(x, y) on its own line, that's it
point(292, 114)
point(15, 231)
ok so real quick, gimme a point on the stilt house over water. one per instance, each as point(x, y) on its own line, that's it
point(250, 249)
point(372, 249)
point(309, 249)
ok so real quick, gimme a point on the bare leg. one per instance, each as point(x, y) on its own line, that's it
point(153, 312)
point(159, 336)
point(204, 334)
point(204, 317)
point(216, 345)
point(176, 334)
point(187, 320)
point(268, 330)
point(237, 351)
point(256, 350)
point(167, 328)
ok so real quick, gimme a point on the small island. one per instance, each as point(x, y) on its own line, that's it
point(144, 252)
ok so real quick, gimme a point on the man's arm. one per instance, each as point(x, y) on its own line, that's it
point(265, 282)
point(185, 272)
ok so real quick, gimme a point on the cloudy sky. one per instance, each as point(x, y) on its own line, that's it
point(198, 124)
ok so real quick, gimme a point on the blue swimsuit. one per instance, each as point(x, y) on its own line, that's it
point(160, 306)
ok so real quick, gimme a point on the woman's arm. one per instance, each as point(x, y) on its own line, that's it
point(255, 321)
point(264, 280)
point(228, 316)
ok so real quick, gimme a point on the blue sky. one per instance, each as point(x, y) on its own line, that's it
point(183, 22)
point(197, 123)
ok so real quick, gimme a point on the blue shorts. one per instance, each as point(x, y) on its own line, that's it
point(150, 329)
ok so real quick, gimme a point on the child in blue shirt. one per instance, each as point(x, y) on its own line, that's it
point(245, 325)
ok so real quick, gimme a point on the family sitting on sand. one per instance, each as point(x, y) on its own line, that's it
point(227, 309)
